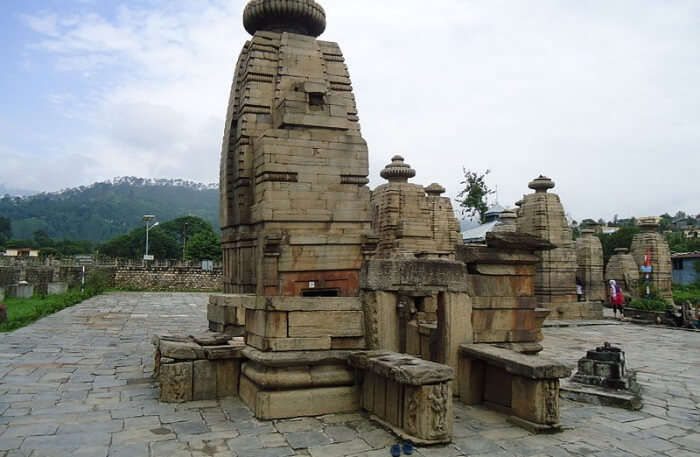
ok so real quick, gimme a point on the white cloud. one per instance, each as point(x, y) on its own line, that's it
point(602, 96)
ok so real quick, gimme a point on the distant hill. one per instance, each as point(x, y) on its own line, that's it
point(104, 210)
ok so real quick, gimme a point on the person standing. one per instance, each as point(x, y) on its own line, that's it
point(579, 290)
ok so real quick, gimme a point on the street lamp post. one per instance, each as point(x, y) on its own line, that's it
point(148, 218)
point(184, 241)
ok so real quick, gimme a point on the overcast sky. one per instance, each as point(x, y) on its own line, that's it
point(603, 96)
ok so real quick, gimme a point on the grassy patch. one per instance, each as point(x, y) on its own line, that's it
point(24, 311)
point(690, 292)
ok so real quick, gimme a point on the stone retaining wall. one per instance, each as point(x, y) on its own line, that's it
point(173, 278)
point(39, 277)
point(9, 276)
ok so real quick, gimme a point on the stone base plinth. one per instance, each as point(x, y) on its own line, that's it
point(202, 367)
point(576, 310)
point(597, 395)
point(297, 402)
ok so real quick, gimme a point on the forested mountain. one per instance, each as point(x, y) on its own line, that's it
point(105, 210)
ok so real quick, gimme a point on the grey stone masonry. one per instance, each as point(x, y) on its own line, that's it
point(78, 384)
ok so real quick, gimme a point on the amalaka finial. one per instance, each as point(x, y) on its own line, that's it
point(541, 184)
point(435, 190)
point(305, 17)
point(397, 170)
point(648, 224)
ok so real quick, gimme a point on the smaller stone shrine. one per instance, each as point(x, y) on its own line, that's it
point(410, 220)
point(624, 271)
point(651, 242)
point(541, 214)
point(603, 379)
point(589, 255)
point(508, 222)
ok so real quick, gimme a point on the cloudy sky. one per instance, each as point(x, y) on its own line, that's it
point(601, 95)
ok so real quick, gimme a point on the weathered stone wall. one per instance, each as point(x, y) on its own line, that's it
point(9, 276)
point(150, 278)
point(39, 277)
point(177, 278)
point(589, 255)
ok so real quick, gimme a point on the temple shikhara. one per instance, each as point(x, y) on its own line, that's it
point(339, 298)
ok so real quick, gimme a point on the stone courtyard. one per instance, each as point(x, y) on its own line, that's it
point(78, 383)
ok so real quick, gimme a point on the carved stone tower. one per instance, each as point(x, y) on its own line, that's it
point(650, 241)
point(294, 166)
point(589, 255)
point(542, 215)
point(410, 220)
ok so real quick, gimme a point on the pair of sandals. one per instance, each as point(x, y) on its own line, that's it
point(407, 449)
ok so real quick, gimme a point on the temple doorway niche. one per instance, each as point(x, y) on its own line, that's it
point(418, 326)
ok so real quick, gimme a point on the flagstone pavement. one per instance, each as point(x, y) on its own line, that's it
point(78, 384)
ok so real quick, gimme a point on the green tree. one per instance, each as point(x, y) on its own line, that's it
point(474, 197)
point(5, 229)
point(622, 238)
point(165, 241)
point(205, 245)
point(42, 239)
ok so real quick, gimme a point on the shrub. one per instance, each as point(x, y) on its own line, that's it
point(97, 281)
point(649, 304)
point(685, 293)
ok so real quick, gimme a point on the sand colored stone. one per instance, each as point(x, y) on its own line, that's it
point(542, 214)
point(318, 269)
point(411, 220)
point(294, 166)
point(624, 270)
point(589, 255)
point(651, 241)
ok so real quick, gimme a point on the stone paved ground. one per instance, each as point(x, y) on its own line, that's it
point(78, 384)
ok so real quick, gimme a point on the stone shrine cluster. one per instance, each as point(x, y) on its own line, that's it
point(338, 298)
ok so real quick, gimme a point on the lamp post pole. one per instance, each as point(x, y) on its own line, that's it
point(184, 241)
point(148, 218)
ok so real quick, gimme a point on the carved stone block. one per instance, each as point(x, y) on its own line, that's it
point(176, 382)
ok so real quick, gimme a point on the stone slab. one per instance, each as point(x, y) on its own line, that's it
point(530, 366)
point(402, 368)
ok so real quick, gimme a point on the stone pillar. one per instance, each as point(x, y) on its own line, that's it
point(650, 242)
point(589, 255)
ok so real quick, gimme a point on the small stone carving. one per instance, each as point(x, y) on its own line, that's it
point(602, 379)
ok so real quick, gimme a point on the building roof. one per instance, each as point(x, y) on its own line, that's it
point(686, 255)
point(477, 234)
point(495, 209)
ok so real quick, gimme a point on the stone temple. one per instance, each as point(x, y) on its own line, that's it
point(542, 214)
point(341, 299)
